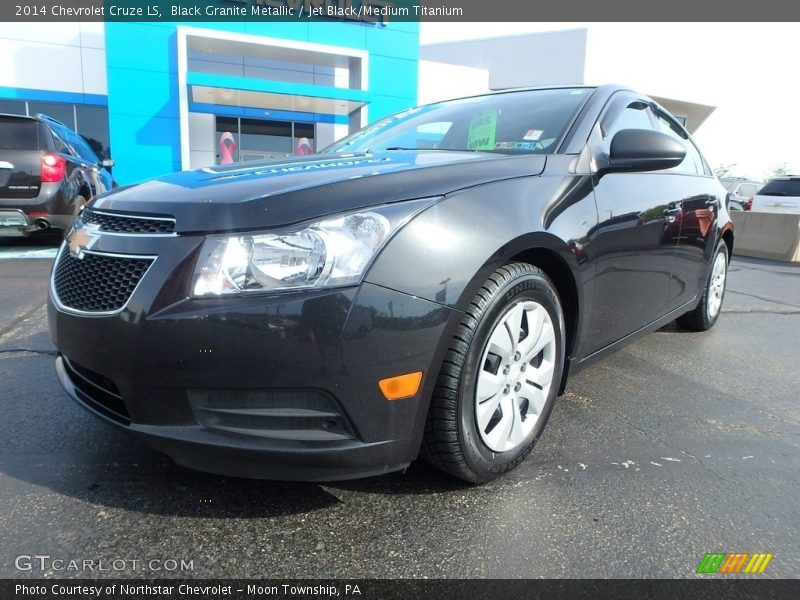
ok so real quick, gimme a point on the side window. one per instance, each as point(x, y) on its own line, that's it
point(61, 145)
point(635, 116)
point(693, 163)
point(82, 148)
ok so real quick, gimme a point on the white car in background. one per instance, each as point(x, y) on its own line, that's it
point(780, 195)
point(741, 191)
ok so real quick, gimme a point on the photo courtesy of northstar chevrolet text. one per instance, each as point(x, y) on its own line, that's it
point(378, 298)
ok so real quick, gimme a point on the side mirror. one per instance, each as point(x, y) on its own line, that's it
point(107, 163)
point(642, 150)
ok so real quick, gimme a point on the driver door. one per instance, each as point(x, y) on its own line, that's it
point(637, 235)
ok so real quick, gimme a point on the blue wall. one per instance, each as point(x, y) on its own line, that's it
point(142, 63)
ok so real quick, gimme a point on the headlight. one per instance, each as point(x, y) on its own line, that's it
point(332, 252)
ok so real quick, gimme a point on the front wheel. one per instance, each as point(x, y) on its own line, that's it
point(500, 377)
point(706, 313)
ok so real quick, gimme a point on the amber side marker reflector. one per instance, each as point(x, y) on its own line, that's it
point(402, 386)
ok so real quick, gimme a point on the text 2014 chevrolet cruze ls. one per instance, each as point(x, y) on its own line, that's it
point(425, 285)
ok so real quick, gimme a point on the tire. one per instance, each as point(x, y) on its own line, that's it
point(464, 434)
point(707, 311)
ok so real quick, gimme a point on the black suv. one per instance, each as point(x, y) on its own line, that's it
point(47, 174)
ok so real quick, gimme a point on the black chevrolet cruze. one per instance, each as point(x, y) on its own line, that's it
point(425, 285)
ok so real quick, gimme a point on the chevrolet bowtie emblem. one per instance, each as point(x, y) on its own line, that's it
point(83, 237)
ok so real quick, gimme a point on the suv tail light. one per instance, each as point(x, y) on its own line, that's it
point(53, 167)
point(748, 204)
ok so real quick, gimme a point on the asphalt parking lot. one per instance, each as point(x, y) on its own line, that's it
point(678, 445)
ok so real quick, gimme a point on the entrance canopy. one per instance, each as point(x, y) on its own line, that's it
point(273, 101)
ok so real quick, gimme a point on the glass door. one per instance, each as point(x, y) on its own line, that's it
point(240, 139)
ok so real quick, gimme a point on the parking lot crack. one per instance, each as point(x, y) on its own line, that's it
point(29, 351)
point(762, 312)
point(15, 324)
point(763, 298)
point(649, 433)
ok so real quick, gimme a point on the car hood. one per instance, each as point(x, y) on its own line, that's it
point(280, 192)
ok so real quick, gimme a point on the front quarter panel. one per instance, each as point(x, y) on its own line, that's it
point(449, 250)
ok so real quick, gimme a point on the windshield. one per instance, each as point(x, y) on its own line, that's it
point(530, 122)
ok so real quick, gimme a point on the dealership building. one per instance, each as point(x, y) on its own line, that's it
point(161, 97)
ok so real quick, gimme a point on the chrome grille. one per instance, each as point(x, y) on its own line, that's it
point(133, 225)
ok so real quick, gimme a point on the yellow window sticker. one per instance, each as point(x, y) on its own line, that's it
point(482, 130)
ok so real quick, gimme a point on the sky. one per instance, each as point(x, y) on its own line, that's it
point(747, 70)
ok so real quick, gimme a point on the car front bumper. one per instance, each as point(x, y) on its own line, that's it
point(276, 386)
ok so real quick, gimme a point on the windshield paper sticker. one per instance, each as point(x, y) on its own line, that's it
point(482, 130)
point(533, 135)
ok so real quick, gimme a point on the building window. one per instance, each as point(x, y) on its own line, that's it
point(239, 139)
point(13, 107)
point(60, 112)
point(92, 125)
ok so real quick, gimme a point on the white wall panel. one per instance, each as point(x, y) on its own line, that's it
point(61, 57)
point(93, 62)
point(93, 35)
point(62, 34)
point(40, 66)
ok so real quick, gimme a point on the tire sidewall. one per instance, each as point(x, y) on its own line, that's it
point(481, 459)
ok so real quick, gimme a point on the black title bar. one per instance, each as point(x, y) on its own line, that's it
point(403, 589)
point(382, 11)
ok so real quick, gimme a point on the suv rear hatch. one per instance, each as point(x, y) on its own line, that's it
point(779, 195)
point(22, 141)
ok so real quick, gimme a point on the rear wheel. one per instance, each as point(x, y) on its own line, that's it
point(706, 313)
point(500, 377)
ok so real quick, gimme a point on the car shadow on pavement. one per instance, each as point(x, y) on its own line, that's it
point(39, 239)
point(117, 472)
point(418, 478)
point(138, 479)
point(71, 456)
point(156, 486)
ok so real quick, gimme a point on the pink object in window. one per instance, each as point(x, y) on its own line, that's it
point(227, 147)
point(304, 147)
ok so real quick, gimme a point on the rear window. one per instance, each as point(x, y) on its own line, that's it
point(781, 187)
point(19, 134)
